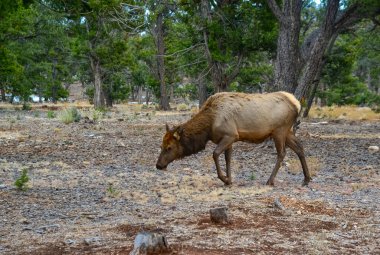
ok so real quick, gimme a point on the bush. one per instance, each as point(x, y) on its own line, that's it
point(70, 115)
point(98, 114)
point(21, 182)
point(26, 107)
point(182, 107)
point(51, 114)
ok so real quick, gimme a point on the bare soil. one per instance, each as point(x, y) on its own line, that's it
point(94, 186)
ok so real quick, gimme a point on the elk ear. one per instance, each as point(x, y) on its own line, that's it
point(167, 127)
point(177, 134)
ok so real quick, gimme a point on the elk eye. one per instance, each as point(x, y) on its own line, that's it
point(169, 148)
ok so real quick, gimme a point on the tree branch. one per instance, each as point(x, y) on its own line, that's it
point(276, 10)
point(236, 70)
point(347, 18)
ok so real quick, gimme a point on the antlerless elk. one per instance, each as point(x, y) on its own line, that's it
point(226, 118)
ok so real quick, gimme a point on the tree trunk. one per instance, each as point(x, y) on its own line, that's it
point(54, 92)
point(139, 95)
point(288, 57)
point(108, 97)
point(99, 94)
point(202, 91)
point(312, 70)
point(2, 91)
point(164, 102)
point(147, 96)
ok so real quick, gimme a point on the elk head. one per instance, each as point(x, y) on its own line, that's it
point(171, 148)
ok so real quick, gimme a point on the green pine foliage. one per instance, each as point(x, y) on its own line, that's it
point(47, 45)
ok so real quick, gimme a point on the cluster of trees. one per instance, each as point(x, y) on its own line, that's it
point(119, 48)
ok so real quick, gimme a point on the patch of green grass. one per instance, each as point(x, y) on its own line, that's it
point(252, 177)
point(112, 191)
point(51, 114)
point(21, 182)
point(70, 115)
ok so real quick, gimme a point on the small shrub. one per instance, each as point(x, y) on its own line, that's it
point(51, 114)
point(21, 182)
point(97, 114)
point(112, 191)
point(26, 107)
point(70, 115)
point(252, 177)
point(182, 107)
point(12, 121)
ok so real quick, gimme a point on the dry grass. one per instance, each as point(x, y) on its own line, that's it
point(344, 112)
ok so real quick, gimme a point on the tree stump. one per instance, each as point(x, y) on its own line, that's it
point(219, 215)
point(149, 243)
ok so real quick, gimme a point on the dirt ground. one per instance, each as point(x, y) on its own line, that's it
point(94, 186)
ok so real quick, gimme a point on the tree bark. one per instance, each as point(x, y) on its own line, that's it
point(96, 71)
point(147, 96)
point(202, 91)
point(54, 89)
point(287, 66)
point(314, 65)
point(2, 91)
point(159, 29)
point(139, 95)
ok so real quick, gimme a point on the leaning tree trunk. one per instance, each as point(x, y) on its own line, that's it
point(164, 101)
point(313, 67)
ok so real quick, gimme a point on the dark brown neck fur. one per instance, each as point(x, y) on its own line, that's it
point(197, 132)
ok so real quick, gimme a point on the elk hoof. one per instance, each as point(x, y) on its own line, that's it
point(270, 182)
point(227, 182)
point(306, 182)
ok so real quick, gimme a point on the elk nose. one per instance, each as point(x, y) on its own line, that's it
point(159, 167)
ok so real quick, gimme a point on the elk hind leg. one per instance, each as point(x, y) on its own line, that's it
point(293, 143)
point(279, 142)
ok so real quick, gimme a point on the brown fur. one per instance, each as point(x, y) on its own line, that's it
point(196, 132)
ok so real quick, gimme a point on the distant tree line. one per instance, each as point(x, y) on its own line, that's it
point(117, 49)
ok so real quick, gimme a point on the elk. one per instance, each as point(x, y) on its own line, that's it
point(229, 117)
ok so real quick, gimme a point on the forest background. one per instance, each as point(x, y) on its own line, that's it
point(118, 50)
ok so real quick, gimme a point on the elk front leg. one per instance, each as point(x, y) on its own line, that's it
point(224, 146)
